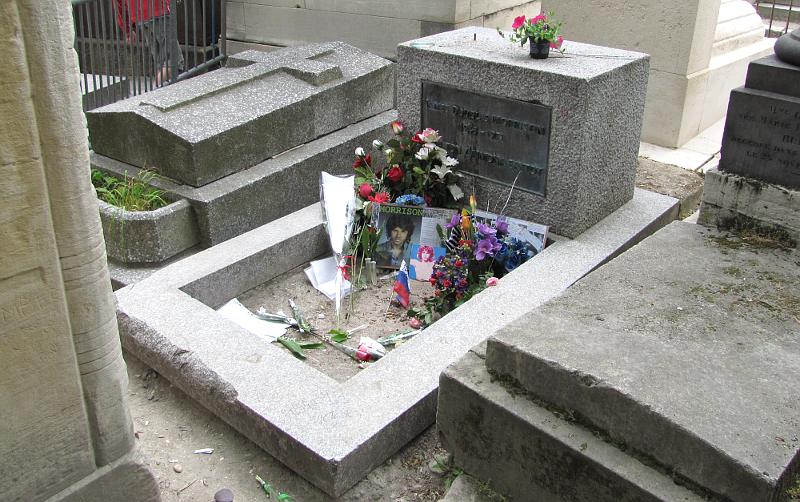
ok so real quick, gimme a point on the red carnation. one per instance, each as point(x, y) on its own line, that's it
point(365, 190)
point(395, 174)
point(380, 198)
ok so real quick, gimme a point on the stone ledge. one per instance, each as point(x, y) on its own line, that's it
point(144, 237)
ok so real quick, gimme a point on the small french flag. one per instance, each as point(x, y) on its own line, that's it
point(401, 286)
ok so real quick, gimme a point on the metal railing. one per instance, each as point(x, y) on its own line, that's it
point(128, 47)
point(780, 16)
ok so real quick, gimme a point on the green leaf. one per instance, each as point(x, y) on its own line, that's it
point(293, 346)
point(311, 345)
point(338, 335)
point(284, 497)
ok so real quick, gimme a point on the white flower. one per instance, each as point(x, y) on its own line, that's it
point(360, 152)
point(377, 144)
point(388, 152)
point(450, 162)
point(423, 153)
point(430, 136)
point(441, 171)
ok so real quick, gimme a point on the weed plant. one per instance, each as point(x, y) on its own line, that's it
point(132, 193)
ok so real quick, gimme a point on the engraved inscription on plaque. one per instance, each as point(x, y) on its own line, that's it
point(498, 139)
point(762, 139)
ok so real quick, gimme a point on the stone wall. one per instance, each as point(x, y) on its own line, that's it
point(375, 25)
point(65, 421)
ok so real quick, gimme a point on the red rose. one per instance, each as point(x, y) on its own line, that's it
point(365, 190)
point(363, 161)
point(380, 198)
point(417, 138)
point(395, 174)
point(398, 127)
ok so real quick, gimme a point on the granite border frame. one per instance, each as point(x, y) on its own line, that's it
point(178, 335)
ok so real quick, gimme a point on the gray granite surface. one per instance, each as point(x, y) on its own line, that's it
point(167, 320)
point(597, 99)
point(202, 129)
point(686, 349)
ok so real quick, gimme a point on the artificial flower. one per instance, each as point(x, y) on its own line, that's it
point(398, 127)
point(379, 198)
point(423, 153)
point(395, 174)
point(365, 190)
point(410, 200)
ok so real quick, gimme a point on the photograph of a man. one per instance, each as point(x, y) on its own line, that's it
point(398, 232)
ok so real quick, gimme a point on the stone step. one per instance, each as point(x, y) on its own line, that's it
point(678, 350)
point(261, 104)
point(779, 12)
point(526, 452)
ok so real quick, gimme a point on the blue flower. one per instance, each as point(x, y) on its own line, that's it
point(410, 200)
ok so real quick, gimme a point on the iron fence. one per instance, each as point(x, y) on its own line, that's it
point(128, 47)
point(780, 16)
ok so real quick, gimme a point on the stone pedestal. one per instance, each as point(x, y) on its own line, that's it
point(699, 48)
point(759, 170)
point(564, 132)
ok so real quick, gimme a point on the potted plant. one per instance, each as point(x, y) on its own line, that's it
point(542, 31)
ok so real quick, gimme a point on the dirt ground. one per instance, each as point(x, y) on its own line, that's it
point(170, 426)
point(368, 308)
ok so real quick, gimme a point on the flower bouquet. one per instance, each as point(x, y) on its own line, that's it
point(409, 169)
point(543, 32)
point(481, 249)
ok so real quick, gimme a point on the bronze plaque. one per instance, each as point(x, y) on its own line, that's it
point(498, 139)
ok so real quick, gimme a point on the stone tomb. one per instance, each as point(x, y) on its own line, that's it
point(236, 142)
point(168, 321)
point(563, 131)
point(260, 105)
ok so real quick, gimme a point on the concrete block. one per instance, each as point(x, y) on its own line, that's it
point(657, 350)
point(591, 133)
point(148, 236)
point(728, 197)
point(127, 478)
point(526, 452)
point(202, 129)
point(168, 321)
point(253, 197)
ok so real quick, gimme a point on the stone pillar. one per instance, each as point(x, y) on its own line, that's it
point(66, 430)
point(699, 49)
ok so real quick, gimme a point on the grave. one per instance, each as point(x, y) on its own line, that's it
point(565, 128)
point(668, 374)
point(231, 141)
point(759, 169)
point(169, 321)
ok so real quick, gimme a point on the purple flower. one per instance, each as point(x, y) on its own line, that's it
point(454, 221)
point(502, 225)
point(487, 246)
point(486, 230)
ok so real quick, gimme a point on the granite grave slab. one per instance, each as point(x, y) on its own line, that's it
point(169, 322)
point(202, 129)
point(684, 349)
point(563, 131)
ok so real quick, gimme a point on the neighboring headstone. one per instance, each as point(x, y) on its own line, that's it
point(563, 131)
point(759, 169)
point(205, 128)
point(762, 131)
